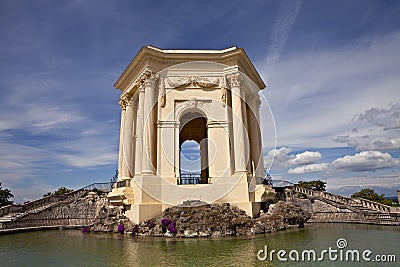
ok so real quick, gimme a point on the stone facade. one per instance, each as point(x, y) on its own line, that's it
point(171, 96)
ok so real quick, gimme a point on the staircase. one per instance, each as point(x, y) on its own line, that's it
point(351, 209)
point(12, 214)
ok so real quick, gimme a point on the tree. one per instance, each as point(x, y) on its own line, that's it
point(5, 195)
point(114, 179)
point(370, 194)
point(60, 191)
point(316, 185)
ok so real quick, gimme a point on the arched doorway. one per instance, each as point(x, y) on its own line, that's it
point(193, 165)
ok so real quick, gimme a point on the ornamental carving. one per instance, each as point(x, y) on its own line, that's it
point(144, 76)
point(193, 103)
point(224, 91)
point(161, 93)
point(124, 100)
point(235, 79)
point(151, 81)
point(204, 82)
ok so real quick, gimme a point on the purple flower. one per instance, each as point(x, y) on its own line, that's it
point(165, 222)
point(151, 224)
point(85, 230)
point(171, 229)
point(135, 229)
point(121, 228)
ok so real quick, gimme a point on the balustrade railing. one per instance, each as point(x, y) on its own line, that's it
point(190, 178)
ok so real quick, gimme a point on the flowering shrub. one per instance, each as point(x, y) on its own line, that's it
point(135, 229)
point(151, 224)
point(121, 228)
point(165, 222)
point(171, 228)
point(168, 225)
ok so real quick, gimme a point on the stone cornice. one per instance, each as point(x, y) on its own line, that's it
point(155, 59)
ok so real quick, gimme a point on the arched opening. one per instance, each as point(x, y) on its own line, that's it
point(193, 165)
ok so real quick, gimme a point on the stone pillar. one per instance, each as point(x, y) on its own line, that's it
point(255, 137)
point(149, 146)
point(139, 132)
point(239, 146)
point(122, 103)
point(204, 161)
point(127, 137)
point(246, 134)
point(260, 165)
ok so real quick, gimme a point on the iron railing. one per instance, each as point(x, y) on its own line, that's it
point(190, 178)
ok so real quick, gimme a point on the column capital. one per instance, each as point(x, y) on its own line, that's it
point(122, 103)
point(125, 100)
point(151, 80)
point(235, 79)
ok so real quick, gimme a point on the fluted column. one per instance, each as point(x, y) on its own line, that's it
point(239, 146)
point(127, 137)
point(122, 103)
point(149, 146)
point(139, 132)
point(255, 137)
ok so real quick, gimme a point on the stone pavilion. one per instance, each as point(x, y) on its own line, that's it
point(169, 97)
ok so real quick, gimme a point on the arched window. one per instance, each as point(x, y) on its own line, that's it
point(190, 158)
point(193, 167)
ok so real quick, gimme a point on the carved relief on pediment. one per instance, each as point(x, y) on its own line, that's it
point(196, 81)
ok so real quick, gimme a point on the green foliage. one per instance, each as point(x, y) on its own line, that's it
point(97, 191)
point(114, 179)
point(60, 191)
point(5, 195)
point(370, 194)
point(316, 185)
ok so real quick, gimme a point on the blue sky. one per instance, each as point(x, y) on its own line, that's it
point(331, 68)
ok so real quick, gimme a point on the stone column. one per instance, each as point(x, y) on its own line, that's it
point(260, 165)
point(127, 168)
point(246, 133)
point(255, 137)
point(204, 161)
point(139, 132)
point(149, 145)
point(122, 103)
point(239, 146)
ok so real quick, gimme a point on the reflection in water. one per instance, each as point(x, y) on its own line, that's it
point(72, 248)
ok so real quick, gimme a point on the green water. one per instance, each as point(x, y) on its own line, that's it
point(72, 248)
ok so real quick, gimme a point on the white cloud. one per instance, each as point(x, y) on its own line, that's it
point(281, 158)
point(288, 11)
point(306, 157)
point(309, 168)
point(18, 161)
point(386, 184)
point(277, 157)
point(365, 161)
point(378, 129)
point(387, 117)
point(315, 94)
